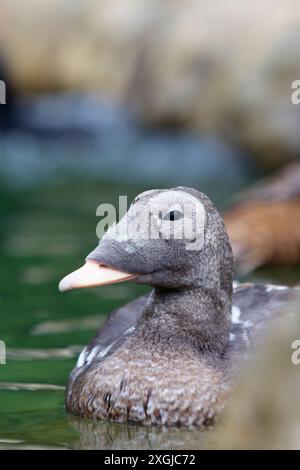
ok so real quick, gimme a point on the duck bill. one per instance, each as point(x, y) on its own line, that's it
point(93, 274)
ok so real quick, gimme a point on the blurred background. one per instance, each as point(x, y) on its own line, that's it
point(112, 98)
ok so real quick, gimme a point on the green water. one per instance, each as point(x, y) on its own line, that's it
point(45, 233)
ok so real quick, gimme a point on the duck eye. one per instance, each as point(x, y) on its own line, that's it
point(173, 215)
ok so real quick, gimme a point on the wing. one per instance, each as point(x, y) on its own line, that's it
point(254, 307)
point(118, 326)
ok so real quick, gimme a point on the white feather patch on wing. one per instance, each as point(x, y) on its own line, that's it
point(235, 314)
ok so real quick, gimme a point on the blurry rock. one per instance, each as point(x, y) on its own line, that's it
point(224, 66)
point(85, 44)
point(264, 412)
point(264, 228)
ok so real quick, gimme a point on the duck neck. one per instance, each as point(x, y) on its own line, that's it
point(196, 318)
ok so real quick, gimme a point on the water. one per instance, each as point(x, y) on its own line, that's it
point(47, 227)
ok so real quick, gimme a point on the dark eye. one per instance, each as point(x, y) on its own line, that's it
point(173, 215)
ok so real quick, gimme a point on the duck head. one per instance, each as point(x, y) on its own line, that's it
point(169, 239)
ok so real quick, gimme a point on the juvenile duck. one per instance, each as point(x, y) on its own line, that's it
point(167, 358)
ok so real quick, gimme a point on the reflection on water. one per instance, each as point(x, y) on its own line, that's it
point(103, 435)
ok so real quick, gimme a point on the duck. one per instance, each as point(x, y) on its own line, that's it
point(168, 358)
point(264, 225)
